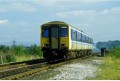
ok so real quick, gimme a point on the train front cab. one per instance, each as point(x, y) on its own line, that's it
point(54, 41)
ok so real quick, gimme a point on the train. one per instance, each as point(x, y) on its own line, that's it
point(60, 40)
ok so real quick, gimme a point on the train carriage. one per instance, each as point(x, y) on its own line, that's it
point(59, 40)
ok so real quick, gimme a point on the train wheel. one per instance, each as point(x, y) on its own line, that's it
point(64, 57)
point(67, 56)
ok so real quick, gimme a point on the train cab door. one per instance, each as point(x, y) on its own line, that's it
point(54, 37)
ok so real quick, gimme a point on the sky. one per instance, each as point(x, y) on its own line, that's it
point(20, 20)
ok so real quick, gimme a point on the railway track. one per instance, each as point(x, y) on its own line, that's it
point(24, 69)
point(16, 73)
point(11, 71)
point(19, 72)
point(20, 64)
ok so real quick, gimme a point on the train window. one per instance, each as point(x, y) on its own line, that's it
point(78, 36)
point(64, 31)
point(86, 39)
point(45, 32)
point(73, 34)
point(81, 37)
point(91, 41)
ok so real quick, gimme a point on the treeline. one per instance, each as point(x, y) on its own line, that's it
point(19, 53)
point(108, 44)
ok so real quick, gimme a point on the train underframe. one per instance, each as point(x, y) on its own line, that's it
point(64, 54)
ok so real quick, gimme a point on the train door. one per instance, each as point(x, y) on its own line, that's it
point(54, 37)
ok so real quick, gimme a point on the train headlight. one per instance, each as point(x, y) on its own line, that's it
point(63, 45)
point(46, 45)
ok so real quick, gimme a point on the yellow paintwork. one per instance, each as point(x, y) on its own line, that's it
point(54, 43)
point(44, 41)
point(65, 41)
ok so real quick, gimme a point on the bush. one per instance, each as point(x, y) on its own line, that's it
point(4, 48)
point(18, 50)
point(10, 58)
point(34, 50)
point(115, 53)
point(20, 53)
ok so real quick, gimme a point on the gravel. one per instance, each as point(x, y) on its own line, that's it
point(77, 70)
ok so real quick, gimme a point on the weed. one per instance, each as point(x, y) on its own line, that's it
point(110, 70)
point(19, 53)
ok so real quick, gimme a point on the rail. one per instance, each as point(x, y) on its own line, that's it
point(31, 67)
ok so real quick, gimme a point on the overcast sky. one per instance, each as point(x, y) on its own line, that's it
point(20, 20)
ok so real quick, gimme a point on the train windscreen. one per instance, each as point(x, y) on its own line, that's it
point(64, 32)
point(45, 32)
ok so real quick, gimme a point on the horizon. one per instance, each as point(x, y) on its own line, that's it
point(37, 43)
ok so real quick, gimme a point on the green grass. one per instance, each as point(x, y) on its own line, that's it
point(110, 69)
point(19, 53)
point(26, 57)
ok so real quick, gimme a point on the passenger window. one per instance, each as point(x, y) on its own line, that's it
point(87, 39)
point(45, 32)
point(73, 34)
point(83, 38)
point(91, 41)
point(78, 36)
point(64, 32)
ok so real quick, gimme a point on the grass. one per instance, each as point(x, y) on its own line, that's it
point(19, 53)
point(26, 57)
point(110, 69)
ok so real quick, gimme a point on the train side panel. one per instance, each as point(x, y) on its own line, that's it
point(74, 44)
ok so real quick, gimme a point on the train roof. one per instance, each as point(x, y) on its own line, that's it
point(61, 22)
point(58, 22)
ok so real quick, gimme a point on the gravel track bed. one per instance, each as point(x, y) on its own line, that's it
point(77, 70)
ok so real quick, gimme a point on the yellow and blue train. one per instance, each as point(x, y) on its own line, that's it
point(60, 40)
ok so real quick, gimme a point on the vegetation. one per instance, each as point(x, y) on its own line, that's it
point(110, 70)
point(18, 53)
point(108, 44)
